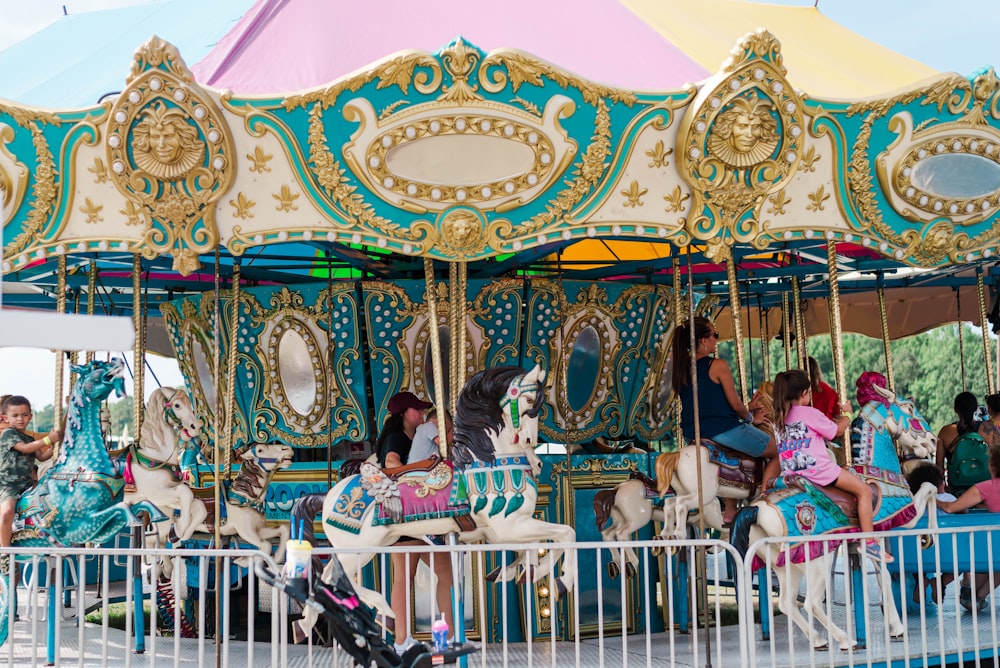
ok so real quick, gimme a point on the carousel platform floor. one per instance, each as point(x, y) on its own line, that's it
point(946, 636)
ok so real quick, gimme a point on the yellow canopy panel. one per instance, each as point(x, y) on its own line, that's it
point(824, 59)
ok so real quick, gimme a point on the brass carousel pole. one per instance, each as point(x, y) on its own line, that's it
point(886, 347)
point(57, 405)
point(234, 332)
point(701, 592)
point(836, 335)
point(786, 331)
point(961, 337)
point(216, 451)
point(139, 377)
point(462, 368)
point(800, 325)
point(734, 308)
point(91, 289)
point(991, 385)
point(678, 321)
point(765, 341)
point(432, 318)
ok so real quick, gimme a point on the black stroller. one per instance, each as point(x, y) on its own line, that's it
point(353, 624)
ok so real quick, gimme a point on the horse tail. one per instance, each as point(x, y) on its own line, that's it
point(304, 512)
point(604, 501)
point(666, 464)
point(739, 535)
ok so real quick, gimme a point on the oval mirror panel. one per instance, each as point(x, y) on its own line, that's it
point(583, 370)
point(459, 160)
point(957, 176)
point(445, 335)
point(296, 372)
point(204, 371)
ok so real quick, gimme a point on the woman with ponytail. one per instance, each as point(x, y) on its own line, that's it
point(722, 416)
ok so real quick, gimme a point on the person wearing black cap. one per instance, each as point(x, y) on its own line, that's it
point(406, 413)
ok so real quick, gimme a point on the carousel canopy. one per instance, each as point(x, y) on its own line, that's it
point(625, 182)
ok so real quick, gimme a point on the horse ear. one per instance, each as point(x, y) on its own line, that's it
point(885, 392)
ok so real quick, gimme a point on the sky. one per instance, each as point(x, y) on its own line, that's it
point(954, 35)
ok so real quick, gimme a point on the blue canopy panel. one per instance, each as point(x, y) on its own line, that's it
point(98, 65)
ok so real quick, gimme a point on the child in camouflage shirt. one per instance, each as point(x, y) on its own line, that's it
point(18, 451)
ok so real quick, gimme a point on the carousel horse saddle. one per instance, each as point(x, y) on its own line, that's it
point(841, 505)
point(422, 466)
point(736, 469)
point(650, 486)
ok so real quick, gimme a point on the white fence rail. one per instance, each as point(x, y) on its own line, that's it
point(696, 605)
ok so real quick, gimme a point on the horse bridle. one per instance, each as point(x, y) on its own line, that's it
point(513, 396)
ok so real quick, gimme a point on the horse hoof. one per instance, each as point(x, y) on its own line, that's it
point(299, 634)
point(898, 637)
point(560, 588)
point(822, 648)
point(630, 571)
point(494, 575)
point(613, 570)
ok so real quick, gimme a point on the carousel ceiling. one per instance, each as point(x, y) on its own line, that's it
point(500, 160)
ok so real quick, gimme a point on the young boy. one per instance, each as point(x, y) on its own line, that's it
point(18, 451)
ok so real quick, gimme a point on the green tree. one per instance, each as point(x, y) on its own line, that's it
point(927, 367)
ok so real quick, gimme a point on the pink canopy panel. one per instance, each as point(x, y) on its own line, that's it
point(286, 45)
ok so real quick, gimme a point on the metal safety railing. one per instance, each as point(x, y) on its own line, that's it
point(639, 603)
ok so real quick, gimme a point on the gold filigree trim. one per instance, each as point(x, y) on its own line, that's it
point(523, 69)
point(587, 175)
point(43, 190)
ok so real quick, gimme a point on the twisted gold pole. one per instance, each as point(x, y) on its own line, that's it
point(678, 320)
point(800, 325)
point(991, 385)
point(734, 308)
point(886, 347)
point(91, 290)
point(786, 329)
point(432, 317)
point(836, 335)
point(139, 389)
point(234, 333)
point(765, 341)
point(57, 410)
point(462, 368)
point(453, 287)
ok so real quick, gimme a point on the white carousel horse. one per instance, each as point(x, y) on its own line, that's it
point(243, 502)
point(632, 505)
point(878, 464)
point(496, 429)
point(169, 428)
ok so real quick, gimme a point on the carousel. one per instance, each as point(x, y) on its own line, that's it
point(307, 251)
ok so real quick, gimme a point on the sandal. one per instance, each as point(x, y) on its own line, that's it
point(965, 597)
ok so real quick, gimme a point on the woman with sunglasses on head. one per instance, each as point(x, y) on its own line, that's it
point(722, 416)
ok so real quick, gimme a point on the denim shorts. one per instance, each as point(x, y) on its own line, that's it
point(745, 438)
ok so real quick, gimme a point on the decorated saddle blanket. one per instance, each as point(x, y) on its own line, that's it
point(811, 510)
point(405, 496)
point(735, 468)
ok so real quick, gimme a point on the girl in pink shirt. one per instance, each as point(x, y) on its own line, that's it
point(802, 432)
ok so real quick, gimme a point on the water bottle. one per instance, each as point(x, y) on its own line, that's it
point(298, 564)
point(439, 633)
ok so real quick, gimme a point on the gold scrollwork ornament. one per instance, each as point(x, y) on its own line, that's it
point(740, 141)
point(171, 153)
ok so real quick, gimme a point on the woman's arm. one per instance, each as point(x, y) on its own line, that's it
point(944, 440)
point(970, 498)
point(720, 373)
